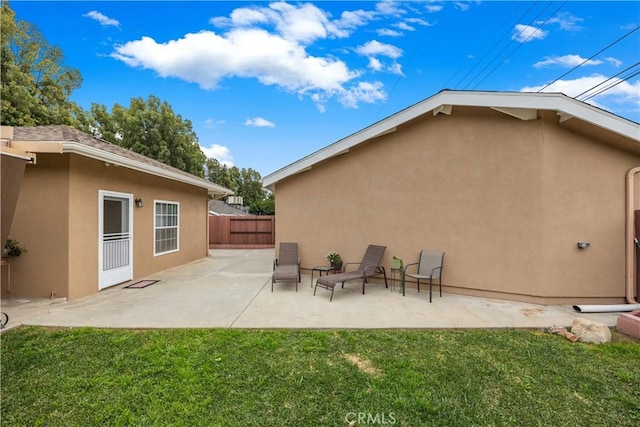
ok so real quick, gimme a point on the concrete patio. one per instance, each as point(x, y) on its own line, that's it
point(232, 289)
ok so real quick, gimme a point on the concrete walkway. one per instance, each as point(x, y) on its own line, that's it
point(232, 289)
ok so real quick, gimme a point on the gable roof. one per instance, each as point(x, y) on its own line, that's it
point(521, 105)
point(219, 207)
point(65, 139)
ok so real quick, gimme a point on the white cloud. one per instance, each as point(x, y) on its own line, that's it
point(220, 153)
point(266, 43)
point(375, 64)
point(259, 122)
point(387, 32)
point(616, 63)
point(205, 58)
point(404, 26)
point(363, 92)
point(462, 6)
point(395, 68)
point(526, 33)
point(566, 61)
point(419, 21)
point(375, 48)
point(102, 19)
point(433, 8)
point(624, 95)
point(389, 8)
point(566, 21)
point(212, 123)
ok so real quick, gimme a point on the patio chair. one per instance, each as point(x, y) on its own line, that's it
point(430, 266)
point(286, 268)
point(369, 266)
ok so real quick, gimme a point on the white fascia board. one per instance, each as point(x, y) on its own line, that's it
point(548, 101)
point(442, 102)
point(115, 159)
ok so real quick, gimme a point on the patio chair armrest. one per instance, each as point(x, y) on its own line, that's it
point(408, 265)
point(433, 270)
point(344, 266)
point(275, 262)
point(375, 268)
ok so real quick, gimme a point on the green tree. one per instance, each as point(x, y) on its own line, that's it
point(150, 128)
point(218, 173)
point(246, 183)
point(36, 85)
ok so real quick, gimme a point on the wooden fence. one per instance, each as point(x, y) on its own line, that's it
point(251, 231)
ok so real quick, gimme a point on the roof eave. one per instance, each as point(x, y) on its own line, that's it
point(72, 147)
point(564, 106)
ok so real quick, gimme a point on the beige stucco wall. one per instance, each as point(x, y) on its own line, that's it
point(41, 225)
point(504, 198)
point(64, 222)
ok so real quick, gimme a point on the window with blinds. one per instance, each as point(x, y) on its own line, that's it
point(166, 222)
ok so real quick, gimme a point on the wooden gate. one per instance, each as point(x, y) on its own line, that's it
point(250, 231)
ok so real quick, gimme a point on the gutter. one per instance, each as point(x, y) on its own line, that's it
point(116, 159)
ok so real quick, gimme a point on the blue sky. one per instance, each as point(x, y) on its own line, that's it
point(267, 83)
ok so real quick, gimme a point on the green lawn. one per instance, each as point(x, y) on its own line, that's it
point(226, 377)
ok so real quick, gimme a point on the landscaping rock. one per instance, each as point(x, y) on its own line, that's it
point(563, 331)
point(589, 331)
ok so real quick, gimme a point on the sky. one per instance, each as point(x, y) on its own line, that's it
point(265, 84)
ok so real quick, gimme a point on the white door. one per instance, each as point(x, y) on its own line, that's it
point(115, 251)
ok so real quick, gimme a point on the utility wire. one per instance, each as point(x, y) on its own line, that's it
point(590, 58)
point(605, 81)
point(612, 85)
point(520, 45)
point(492, 47)
point(507, 46)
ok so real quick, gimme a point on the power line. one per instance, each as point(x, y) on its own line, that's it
point(507, 46)
point(590, 58)
point(605, 81)
point(520, 45)
point(492, 47)
point(612, 85)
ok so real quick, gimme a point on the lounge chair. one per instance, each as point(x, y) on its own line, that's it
point(369, 266)
point(286, 268)
point(430, 266)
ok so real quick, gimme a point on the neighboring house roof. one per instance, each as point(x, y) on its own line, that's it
point(65, 139)
point(573, 114)
point(218, 207)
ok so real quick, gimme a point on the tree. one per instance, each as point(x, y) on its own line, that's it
point(218, 173)
point(150, 128)
point(246, 183)
point(36, 85)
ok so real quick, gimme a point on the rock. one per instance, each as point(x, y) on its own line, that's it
point(563, 331)
point(590, 332)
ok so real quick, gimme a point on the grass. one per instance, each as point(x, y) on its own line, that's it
point(226, 377)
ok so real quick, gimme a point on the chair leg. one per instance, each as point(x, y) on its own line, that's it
point(314, 290)
point(418, 284)
point(272, 284)
point(440, 284)
point(331, 299)
point(384, 273)
point(430, 286)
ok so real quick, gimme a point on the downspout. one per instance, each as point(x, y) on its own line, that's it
point(632, 304)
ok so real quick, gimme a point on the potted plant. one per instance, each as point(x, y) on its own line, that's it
point(12, 249)
point(335, 260)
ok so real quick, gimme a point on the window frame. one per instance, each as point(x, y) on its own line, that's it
point(156, 227)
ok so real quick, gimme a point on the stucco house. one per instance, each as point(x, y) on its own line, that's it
point(92, 214)
point(507, 184)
